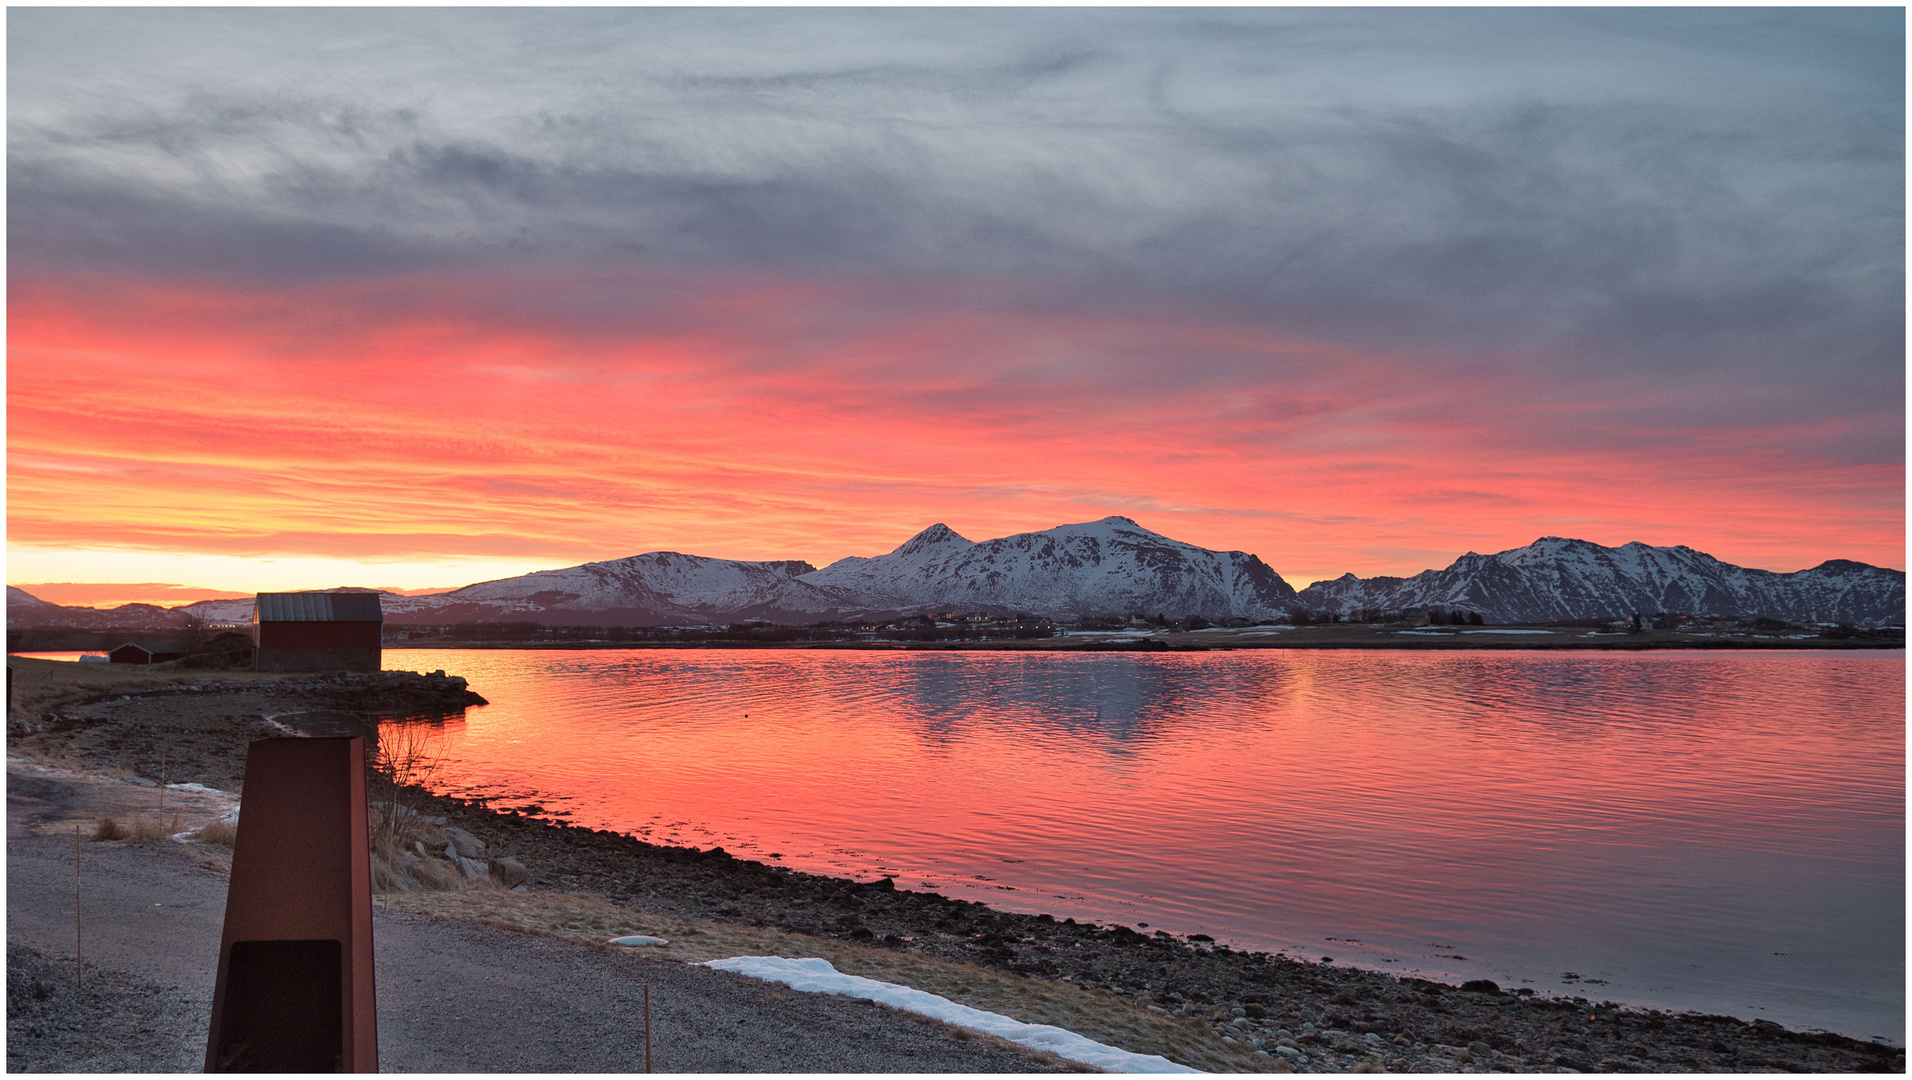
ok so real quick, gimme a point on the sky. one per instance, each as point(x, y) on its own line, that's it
point(412, 298)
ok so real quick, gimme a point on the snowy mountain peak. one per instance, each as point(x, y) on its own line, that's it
point(679, 563)
point(936, 536)
point(1557, 577)
point(1112, 527)
point(1108, 567)
point(1112, 566)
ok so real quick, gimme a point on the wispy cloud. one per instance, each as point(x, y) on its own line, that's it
point(1324, 284)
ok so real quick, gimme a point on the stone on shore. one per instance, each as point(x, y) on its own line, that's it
point(462, 843)
point(510, 873)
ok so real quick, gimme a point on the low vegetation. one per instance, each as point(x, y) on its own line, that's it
point(142, 828)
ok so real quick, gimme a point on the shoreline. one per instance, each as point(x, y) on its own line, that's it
point(1039, 646)
point(1301, 638)
point(1291, 1015)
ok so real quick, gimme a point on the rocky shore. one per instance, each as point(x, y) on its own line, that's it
point(1310, 1017)
point(180, 725)
point(1283, 1015)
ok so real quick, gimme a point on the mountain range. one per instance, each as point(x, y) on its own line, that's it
point(1556, 578)
point(1108, 567)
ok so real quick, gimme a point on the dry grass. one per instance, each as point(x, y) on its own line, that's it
point(154, 828)
point(1095, 1014)
point(218, 832)
point(144, 828)
point(405, 857)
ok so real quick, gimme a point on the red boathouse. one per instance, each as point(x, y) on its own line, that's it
point(317, 631)
point(152, 652)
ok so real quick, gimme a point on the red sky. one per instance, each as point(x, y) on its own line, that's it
point(417, 297)
point(501, 422)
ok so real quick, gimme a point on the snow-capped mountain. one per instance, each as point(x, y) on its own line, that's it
point(1109, 567)
point(1113, 566)
point(656, 588)
point(903, 572)
point(1556, 578)
point(237, 610)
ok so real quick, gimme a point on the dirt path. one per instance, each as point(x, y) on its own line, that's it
point(452, 996)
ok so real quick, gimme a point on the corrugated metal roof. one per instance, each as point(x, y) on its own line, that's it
point(317, 607)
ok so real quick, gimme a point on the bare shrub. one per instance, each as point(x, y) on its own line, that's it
point(384, 879)
point(406, 853)
point(411, 873)
point(151, 830)
point(219, 831)
point(108, 829)
point(407, 755)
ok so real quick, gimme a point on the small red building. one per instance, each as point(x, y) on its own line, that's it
point(317, 631)
point(155, 652)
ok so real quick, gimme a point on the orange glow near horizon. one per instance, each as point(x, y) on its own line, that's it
point(164, 594)
point(416, 421)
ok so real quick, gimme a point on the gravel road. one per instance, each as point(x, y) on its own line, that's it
point(452, 997)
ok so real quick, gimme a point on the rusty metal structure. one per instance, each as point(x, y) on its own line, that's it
point(317, 631)
point(295, 990)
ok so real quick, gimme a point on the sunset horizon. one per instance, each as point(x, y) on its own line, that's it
point(270, 575)
point(1246, 539)
point(349, 312)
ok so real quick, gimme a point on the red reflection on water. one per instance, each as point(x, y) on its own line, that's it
point(1560, 812)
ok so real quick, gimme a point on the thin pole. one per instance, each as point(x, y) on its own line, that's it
point(162, 779)
point(647, 1027)
point(79, 966)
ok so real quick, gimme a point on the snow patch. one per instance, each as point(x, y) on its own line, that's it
point(1506, 631)
point(819, 976)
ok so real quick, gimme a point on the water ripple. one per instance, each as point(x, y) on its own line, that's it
point(1703, 831)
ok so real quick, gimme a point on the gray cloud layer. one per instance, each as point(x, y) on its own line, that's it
point(1693, 190)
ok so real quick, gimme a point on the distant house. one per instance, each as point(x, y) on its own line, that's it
point(157, 652)
point(317, 631)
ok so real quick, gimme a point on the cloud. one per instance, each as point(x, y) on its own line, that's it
point(450, 418)
point(1681, 190)
point(766, 282)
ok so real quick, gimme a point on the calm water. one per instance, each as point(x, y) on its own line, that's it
point(1718, 832)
